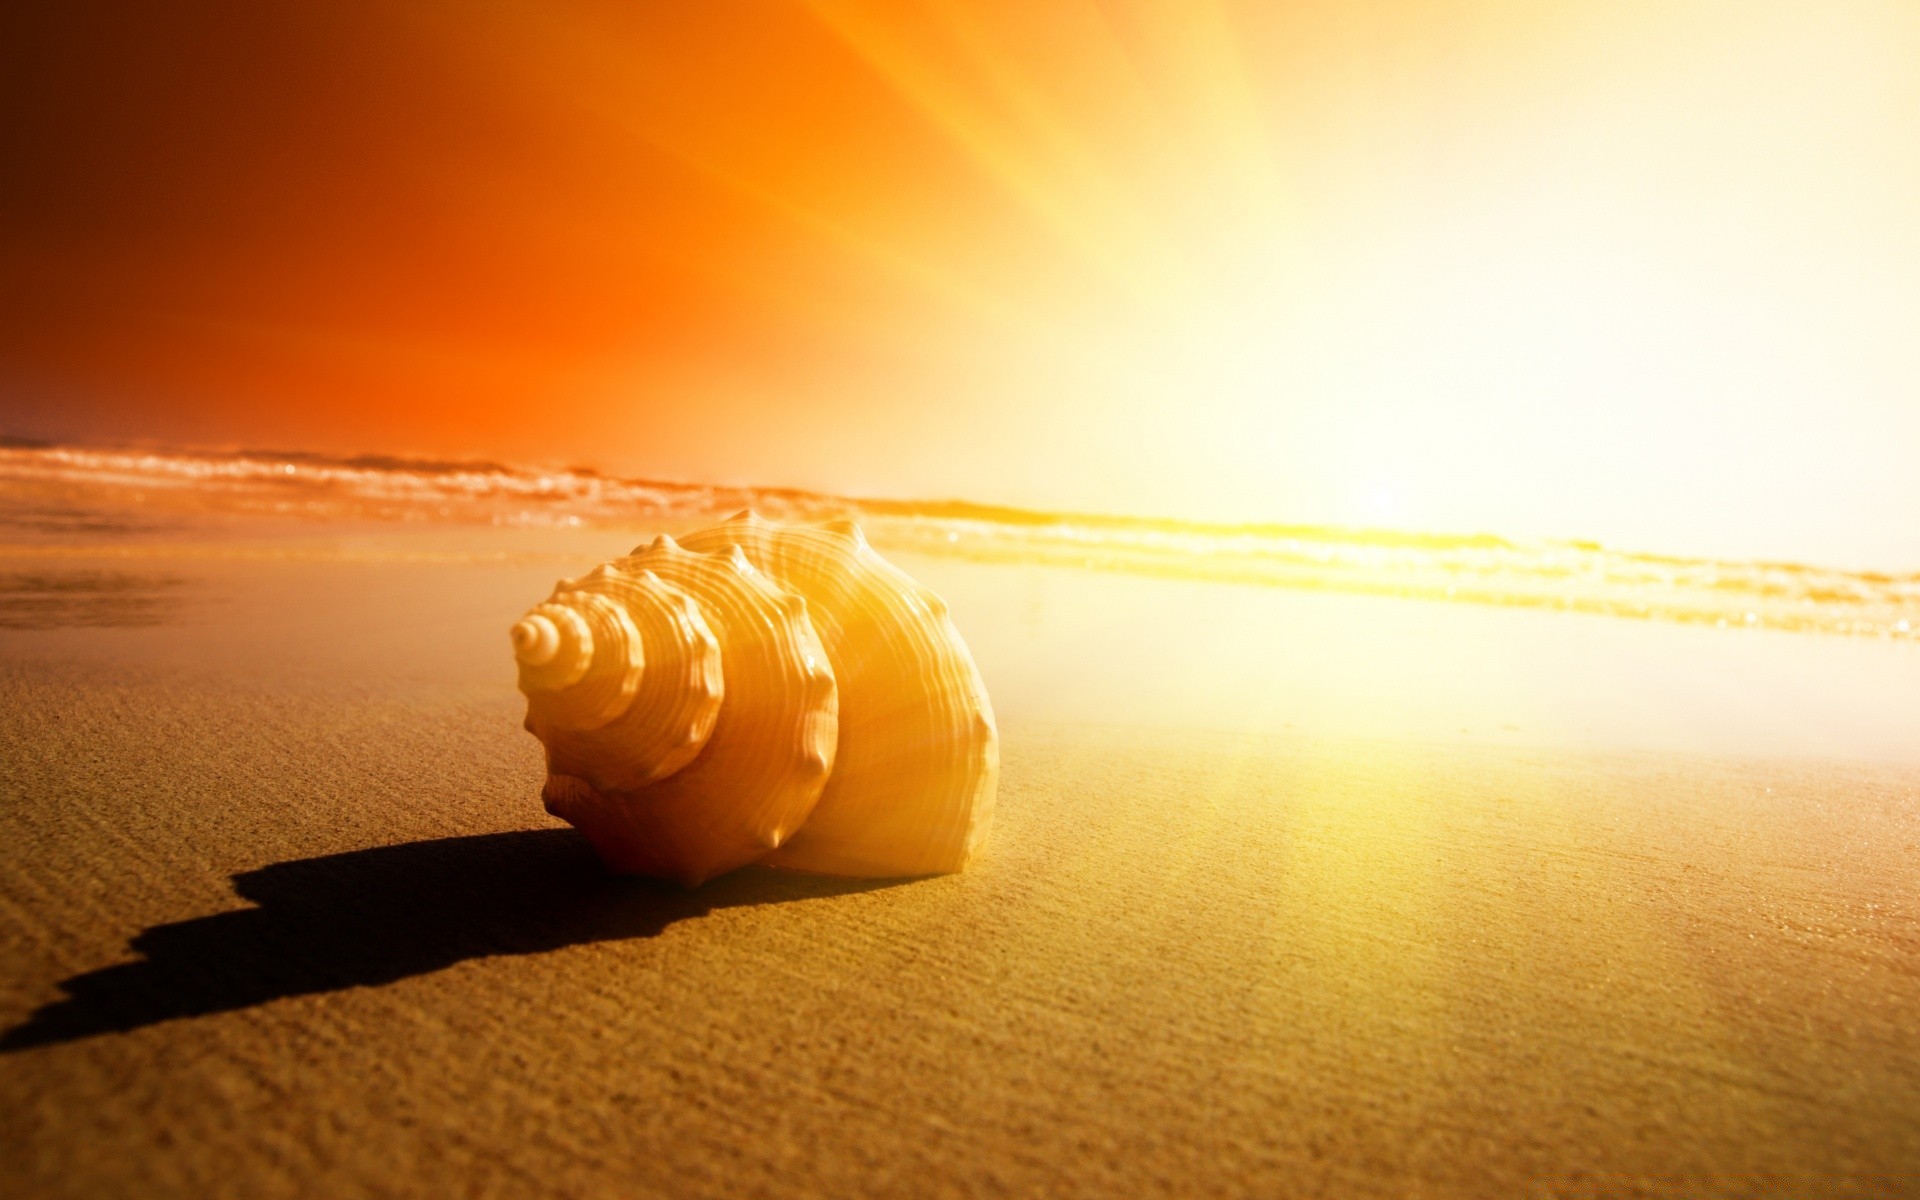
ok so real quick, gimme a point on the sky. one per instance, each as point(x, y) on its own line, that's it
point(1647, 273)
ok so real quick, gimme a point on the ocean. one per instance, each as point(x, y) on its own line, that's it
point(59, 500)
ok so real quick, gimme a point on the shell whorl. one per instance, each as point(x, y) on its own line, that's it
point(913, 789)
point(724, 744)
point(536, 640)
point(669, 716)
point(553, 647)
point(760, 692)
point(581, 659)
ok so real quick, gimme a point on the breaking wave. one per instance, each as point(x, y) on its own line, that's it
point(69, 493)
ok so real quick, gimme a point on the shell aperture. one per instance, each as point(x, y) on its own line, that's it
point(760, 692)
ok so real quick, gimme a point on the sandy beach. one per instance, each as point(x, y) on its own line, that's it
point(283, 916)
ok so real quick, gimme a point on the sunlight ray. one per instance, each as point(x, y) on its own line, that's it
point(1010, 129)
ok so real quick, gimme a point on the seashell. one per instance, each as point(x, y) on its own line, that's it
point(760, 692)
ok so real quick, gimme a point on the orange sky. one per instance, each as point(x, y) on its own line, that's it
point(1648, 272)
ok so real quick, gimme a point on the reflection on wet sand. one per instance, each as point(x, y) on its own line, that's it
point(87, 598)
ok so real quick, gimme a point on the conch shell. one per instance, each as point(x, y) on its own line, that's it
point(760, 692)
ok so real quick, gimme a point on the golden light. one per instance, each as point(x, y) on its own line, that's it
point(1644, 272)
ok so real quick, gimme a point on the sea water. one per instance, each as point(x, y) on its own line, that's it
point(371, 567)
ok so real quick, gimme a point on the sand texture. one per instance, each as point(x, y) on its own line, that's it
point(306, 938)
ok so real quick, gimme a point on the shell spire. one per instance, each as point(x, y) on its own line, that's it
point(760, 693)
point(730, 732)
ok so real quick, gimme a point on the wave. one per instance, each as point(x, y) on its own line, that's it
point(69, 492)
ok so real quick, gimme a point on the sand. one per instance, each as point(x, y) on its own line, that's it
point(273, 923)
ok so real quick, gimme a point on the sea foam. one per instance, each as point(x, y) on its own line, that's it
point(70, 492)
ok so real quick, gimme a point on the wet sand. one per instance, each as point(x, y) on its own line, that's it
point(280, 915)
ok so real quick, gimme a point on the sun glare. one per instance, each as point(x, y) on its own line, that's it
point(1643, 272)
